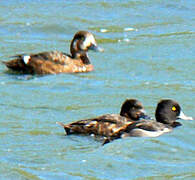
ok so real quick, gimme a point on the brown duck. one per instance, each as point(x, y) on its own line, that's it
point(55, 62)
point(106, 125)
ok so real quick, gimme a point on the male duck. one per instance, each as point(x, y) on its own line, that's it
point(106, 125)
point(167, 112)
point(55, 62)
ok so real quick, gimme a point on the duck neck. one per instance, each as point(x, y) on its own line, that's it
point(164, 117)
point(83, 56)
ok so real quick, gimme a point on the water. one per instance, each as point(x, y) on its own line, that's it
point(149, 55)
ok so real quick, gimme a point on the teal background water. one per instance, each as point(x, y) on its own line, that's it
point(149, 55)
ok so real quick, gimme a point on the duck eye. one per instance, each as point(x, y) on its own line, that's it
point(82, 38)
point(174, 108)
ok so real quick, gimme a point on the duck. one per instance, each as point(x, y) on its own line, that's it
point(166, 115)
point(55, 62)
point(106, 125)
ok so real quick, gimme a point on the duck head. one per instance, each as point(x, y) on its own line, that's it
point(82, 42)
point(133, 109)
point(168, 111)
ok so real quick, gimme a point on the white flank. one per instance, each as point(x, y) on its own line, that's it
point(145, 133)
point(152, 133)
point(80, 69)
point(84, 68)
point(166, 130)
point(26, 59)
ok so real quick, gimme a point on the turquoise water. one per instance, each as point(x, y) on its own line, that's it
point(149, 55)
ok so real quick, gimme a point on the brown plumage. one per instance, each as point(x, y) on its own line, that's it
point(105, 125)
point(55, 62)
point(109, 124)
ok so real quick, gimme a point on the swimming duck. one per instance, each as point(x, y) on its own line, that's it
point(55, 62)
point(106, 125)
point(167, 112)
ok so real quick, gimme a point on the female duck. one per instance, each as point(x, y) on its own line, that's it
point(167, 112)
point(55, 62)
point(106, 125)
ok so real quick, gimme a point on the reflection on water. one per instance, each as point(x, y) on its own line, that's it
point(149, 55)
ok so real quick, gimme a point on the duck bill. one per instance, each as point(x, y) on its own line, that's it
point(143, 115)
point(95, 48)
point(184, 117)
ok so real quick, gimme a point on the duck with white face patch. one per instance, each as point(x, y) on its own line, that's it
point(55, 62)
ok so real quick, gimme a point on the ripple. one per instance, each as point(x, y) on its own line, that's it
point(149, 55)
point(39, 132)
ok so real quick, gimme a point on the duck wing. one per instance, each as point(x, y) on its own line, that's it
point(42, 63)
point(147, 125)
point(104, 125)
point(53, 56)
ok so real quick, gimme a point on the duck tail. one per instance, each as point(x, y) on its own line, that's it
point(106, 141)
point(15, 64)
point(60, 123)
point(66, 128)
point(3, 62)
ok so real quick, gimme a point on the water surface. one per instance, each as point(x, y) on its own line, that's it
point(149, 55)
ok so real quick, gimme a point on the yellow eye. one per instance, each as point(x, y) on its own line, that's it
point(173, 108)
